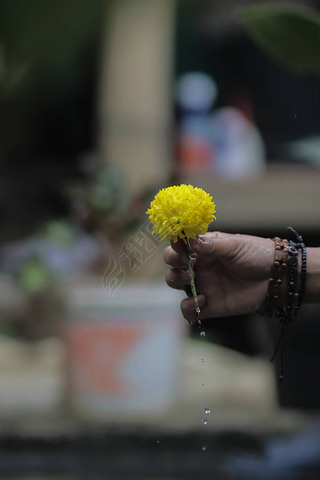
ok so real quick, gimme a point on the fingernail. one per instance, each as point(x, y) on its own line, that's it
point(201, 240)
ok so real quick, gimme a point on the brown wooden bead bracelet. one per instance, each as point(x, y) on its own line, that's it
point(276, 277)
point(285, 264)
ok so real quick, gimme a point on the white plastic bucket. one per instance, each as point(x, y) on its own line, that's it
point(123, 350)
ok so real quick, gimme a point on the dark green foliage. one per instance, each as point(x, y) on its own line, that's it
point(291, 34)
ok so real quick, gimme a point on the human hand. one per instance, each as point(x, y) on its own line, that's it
point(231, 273)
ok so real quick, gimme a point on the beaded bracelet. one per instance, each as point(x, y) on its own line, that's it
point(292, 306)
point(301, 245)
point(294, 294)
point(275, 280)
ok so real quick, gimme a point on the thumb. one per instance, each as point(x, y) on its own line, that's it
point(218, 245)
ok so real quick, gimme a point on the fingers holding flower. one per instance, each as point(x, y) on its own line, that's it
point(180, 214)
point(178, 278)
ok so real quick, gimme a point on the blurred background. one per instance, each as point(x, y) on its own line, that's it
point(102, 103)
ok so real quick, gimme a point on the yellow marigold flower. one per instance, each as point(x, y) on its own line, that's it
point(182, 212)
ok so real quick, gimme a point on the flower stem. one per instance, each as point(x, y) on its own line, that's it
point(191, 257)
point(192, 284)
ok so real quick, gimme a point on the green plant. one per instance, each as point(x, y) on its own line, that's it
point(290, 34)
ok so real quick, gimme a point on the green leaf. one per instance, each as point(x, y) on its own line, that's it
point(290, 34)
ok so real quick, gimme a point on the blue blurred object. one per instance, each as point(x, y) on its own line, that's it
point(196, 93)
point(239, 152)
point(289, 457)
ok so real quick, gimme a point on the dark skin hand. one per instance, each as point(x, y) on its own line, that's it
point(231, 273)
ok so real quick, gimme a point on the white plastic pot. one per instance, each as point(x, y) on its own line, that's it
point(123, 350)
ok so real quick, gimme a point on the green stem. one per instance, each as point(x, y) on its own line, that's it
point(192, 284)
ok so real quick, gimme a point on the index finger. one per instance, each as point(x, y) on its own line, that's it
point(175, 259)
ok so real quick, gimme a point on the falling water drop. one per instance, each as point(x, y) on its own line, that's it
point(204, 448)
point(205, 421)
point(192, 257)
point(207, 411)
point(197, 310)
point(202, 360)
point(202, 334)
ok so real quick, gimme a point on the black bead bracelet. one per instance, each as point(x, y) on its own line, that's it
point(300, 245)
point(295, 292)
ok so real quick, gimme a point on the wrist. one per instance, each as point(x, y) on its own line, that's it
point(312, 294)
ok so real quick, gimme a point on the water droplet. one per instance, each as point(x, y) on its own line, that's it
point(192, 258)
point(202, 334)
point(202, 384)
point(202, 360)
point(207, 411)
point(198, 310)
point(205, 421)
point(204, 448)
point(199, 322)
